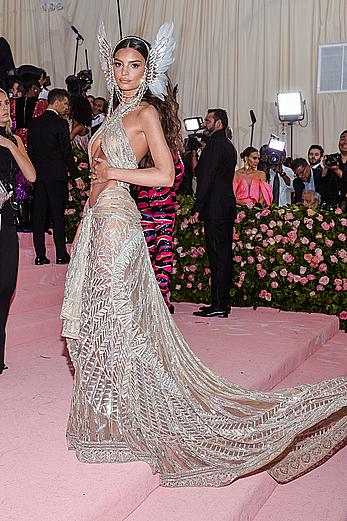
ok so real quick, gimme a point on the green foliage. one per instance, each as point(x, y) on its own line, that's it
point(76, 198)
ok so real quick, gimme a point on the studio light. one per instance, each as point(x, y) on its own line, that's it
point(290, 106)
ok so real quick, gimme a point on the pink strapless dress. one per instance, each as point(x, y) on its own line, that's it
point(253, 193)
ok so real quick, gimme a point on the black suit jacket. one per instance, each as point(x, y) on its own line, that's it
point(49, 148)
point(215, 198)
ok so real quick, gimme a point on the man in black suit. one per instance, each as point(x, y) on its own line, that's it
point(50, 150)
point(216, 206)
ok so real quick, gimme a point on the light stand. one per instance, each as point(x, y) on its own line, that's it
point(291, 109)
point(78, 39)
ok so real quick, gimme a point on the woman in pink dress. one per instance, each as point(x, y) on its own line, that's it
point(250, 184)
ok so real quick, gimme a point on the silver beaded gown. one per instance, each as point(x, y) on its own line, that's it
point(140, 393)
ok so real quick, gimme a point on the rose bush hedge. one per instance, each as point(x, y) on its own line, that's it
point(293, 259)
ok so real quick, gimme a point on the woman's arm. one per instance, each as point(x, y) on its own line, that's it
point(163, 172)
point(77, 130)
point(20, 156)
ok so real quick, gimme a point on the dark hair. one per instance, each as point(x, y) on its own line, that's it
point(104, 102)
point(248, 151)
point(299, 161)
point(57, 94)
point(81, 111)
point(343, 132)
point(318, 147)
point(167, 109)
point(28, 81)
point(220, 114)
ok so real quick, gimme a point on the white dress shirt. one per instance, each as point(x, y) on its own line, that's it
point(285, 190)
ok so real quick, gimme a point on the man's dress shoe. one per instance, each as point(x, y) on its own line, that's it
point(209, 308)
point(63, 260)
point(212, 312)
point(3, 368)
point(39, 261)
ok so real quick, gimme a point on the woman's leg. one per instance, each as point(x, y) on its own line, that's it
point(8, 277)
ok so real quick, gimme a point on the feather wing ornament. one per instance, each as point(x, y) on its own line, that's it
point(106, 58)
point(159, 60)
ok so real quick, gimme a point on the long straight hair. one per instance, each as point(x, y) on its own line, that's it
point(8, 126)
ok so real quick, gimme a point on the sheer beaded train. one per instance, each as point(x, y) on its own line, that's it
point(140, 393)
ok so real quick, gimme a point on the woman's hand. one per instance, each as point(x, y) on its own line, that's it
point(6, 143)
point(100, 171)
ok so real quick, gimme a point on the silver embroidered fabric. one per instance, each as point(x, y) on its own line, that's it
point(140, 393)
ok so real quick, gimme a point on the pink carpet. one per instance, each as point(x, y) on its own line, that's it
point(40, 480)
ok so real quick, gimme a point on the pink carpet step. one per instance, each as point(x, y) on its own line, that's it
point(36, 299)
point(241, 501)
point(30, 326)
point(31, 276)
point(40, 480)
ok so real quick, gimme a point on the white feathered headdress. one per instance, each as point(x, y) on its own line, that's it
point(160, 57)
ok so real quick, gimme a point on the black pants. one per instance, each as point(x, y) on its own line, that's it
point(219, 240)
point(49, 197)
point(8, 277)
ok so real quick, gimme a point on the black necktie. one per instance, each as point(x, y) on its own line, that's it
point(276, 189)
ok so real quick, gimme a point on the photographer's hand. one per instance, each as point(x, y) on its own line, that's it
point(334, 168)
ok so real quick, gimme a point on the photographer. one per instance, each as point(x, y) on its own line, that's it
point(280, 177)
point(335, 173)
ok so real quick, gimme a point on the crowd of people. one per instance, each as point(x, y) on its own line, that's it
point(318, 180)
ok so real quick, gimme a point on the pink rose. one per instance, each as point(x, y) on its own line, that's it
point(189, 285)
point(263, 227)
point(290, 277)
point(344, 221)
point(236, 236)
point(193, 268)
point(310, 276)
point(191, 277)
point(309, 223)
point(262, 273)
point(342, 254)
point(264, 213)
point(270, 233)
point(341, 237)
point(312, 245)
point(304, 240)
point(237, 258)
point(240, 216)
point(292, 235)
point(273, 274)
point(338, 211)
point(242, 275)
point(319, 217)
point(302, 270)
point(319, 235)
point(303, 280)
point(323, 267)
point(325, 226)
point(308, 257)
point(207, 271)
point(324, 280)
point(178, 286)
point(334, 259)
point(343, 315)
point(283, 272)
point(274, 284)
point(250, 259)
point(199, 286)
point(289, 216)
point(278, 238)
point(296, 278)
point(338, 282)
point(272, 224)
point(287, 257)
point(312, 293)
point(329, 243)
point(320, 287)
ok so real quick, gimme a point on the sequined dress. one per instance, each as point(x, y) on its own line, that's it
point(140, 393)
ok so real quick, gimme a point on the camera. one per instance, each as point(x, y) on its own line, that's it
point(332, 159)
point(273, 153)
point(80, 83)
point(193, 125)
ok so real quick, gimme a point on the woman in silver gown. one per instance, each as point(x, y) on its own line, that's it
point(140, 393)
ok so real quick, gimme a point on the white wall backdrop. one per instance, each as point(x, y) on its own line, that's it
point(235, 54)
